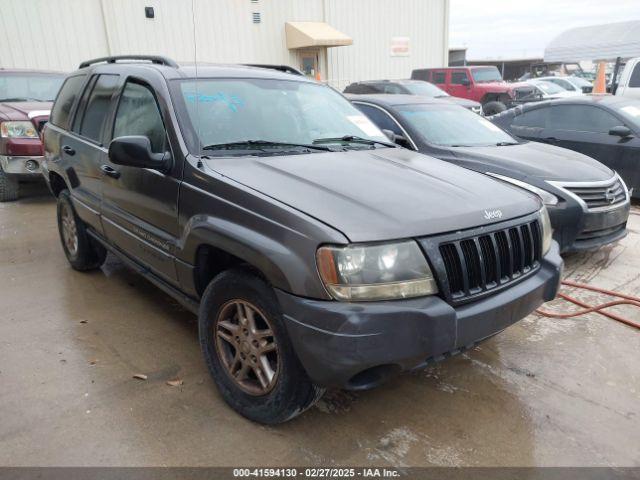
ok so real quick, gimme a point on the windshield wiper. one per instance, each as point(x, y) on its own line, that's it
point(504, 144)
point(261, 145)
point(353, 139)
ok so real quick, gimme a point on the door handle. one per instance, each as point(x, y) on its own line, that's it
point(110, 171)
point(68, 150)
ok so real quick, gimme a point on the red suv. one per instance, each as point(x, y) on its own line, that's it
point(482, 84)
point(25, 102)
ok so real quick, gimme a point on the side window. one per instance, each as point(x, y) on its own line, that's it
point(458, 78)
point(634, 80)
point(382, 120)
point(98, 106)
point(438, 77)
point(582, 118)
point(138, 114)
point(392, 88)
point(532, 118)
point(64, 102)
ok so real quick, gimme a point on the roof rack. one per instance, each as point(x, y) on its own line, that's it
point(280, 68)
point(159, 60)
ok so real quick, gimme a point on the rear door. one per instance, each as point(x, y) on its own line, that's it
point(140, 214)
point(85, 142)
point(460, 83)
point(439, 78)
point(530, 124)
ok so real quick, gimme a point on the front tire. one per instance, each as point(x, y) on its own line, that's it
point(248, 352)
point(8, 187)
point(82, 252)
point(493, 108)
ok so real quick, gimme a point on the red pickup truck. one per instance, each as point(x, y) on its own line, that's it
point(482, 84)
point(26, 97)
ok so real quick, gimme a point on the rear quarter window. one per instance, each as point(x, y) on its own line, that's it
point(69, 93)
point(634, 80)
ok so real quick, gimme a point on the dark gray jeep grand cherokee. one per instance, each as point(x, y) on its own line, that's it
point(314, 253)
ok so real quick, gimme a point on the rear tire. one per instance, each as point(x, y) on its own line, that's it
point(239, 318)
point(8, 187)
point(493, 108)
point(83, 253)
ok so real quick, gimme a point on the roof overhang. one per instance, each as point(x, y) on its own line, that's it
point(596, 42)
point(314, 34)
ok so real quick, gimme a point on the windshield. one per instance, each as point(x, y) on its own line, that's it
point(223, 111)
point(549, 88)
point(425, 89)
point(488, 74)
point(453, 126)
point(29, 87)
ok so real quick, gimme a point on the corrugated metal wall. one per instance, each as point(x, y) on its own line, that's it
point(58, 34)
point(372, 24)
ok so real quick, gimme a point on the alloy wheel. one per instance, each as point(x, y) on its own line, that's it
point(247, 347)
point(69, 229)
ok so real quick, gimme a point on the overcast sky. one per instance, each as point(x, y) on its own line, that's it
point(522, 28)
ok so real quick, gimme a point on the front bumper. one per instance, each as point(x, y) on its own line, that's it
point(578, 229)
point(358, 345)
point(21, 165)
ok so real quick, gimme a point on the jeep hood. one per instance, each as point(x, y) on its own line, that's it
point(533, 160)
point(382, 194)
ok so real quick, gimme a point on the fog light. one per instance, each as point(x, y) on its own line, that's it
point(31, 165)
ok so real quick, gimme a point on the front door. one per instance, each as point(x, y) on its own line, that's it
point(139, 205)
point(309, 63)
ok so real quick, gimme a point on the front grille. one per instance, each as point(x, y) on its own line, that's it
point(490, 260)
point(599, 195)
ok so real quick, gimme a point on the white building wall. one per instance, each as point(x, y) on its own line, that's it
point(50, 34)
point(58, 34)
point(372, 24)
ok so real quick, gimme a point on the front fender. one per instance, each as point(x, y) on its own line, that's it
point(279, 241)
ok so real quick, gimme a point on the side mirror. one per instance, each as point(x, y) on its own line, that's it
point(135, 151)
point(465, 82)
point(397, 139)
point(621, 131)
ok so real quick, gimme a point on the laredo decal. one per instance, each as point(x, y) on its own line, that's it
point(491, 214)
point(163, 244)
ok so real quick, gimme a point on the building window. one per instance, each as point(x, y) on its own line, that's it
point(256, 17)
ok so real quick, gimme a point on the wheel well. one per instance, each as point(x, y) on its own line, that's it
point(210, 261)
point(57, 183)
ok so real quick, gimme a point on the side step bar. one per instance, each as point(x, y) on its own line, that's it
point(187, 302)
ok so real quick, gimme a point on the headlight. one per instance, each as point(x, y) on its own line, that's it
point(375, 272)
point(547, 198)
point(547, 231)
point(18, 130)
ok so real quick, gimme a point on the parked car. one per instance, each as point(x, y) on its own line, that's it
point(571, 185)
point(254, 198)
point(629, 83)
point(482, 84)
point(604, 127)
point(25, 102)
point(410, 87)
point(549, 90)
point(570, 83)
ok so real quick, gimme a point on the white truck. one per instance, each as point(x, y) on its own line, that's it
point(629, 84)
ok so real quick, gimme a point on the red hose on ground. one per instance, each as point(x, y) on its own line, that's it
point(626, 300)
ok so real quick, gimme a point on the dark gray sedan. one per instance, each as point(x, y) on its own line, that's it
point(606, 128)
point(588, 202)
